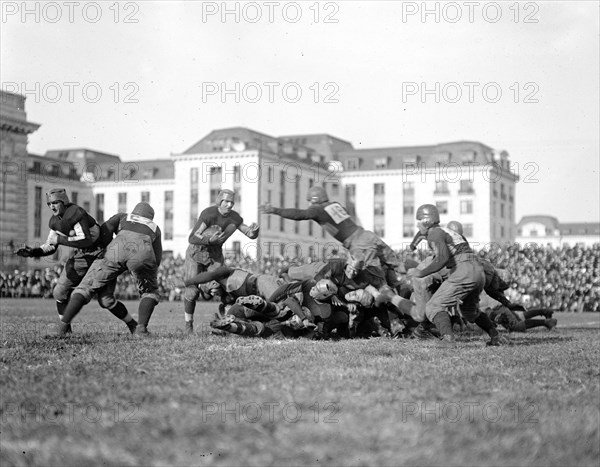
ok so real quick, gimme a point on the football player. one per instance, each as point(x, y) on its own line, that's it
point(71, 226)
point(334, 218)
point(205, 251)
point(137, 248)
point(464, 283)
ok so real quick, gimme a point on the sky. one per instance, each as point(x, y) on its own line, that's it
point(145, 80)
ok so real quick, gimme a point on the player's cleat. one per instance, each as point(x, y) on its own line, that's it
point(132, 325)
point(421, 333)
point(447, 340)
point(177, 282)
point(189, 327)
point(550, 324)
point(396, 328)
point(223, 322)
point(141, 331)
point(496, 341)
point(253, 302)
point(64, 329)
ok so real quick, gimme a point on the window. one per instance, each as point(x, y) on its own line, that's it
point(408, 189)
point(442, 206)
point(409, 209)
point(150, 172)
point(74, 197)
point(100, 208)
point(145, 196)
point(466, 186)
point(441, 187)
point(269, 200)
point(502, 210)
point(122, 207)
point(381, 163)
point(281, 198)
point(467, 156)
point(379, 209)
point(351, 199)
point(86, 206)
point(468, 230)
point(297, 204)
point(37, 213)
point(408, 230)
point(353, 164)
point(379, 189)
point(466, 206)
point(168, 222)
point(193, 196)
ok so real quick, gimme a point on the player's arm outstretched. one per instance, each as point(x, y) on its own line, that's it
point(46, 249)
point(289, 213)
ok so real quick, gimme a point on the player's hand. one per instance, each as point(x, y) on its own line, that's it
point(336, 301)
point(24, 252)
point(253, 230)
point(266, 208)
point(217, 239)
point(352, 307)
point(309, 325)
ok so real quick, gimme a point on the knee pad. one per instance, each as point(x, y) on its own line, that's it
point(107, 301)
point(191, 293)
point(61, 293)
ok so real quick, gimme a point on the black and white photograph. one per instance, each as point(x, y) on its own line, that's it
point(300, 233)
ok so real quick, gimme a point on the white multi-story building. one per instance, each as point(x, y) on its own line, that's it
point(382, 188)
point(467, 181)
point(547, 230)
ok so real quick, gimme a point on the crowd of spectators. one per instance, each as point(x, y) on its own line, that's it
point(565, 278)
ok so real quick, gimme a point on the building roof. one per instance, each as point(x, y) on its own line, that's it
point(153, 169)
point(238, 139)
point(459, 152)
point(580, 228)
point(549, 222)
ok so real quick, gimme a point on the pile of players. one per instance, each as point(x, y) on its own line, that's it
point(371, 293)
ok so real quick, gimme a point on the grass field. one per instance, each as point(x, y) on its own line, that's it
point(102, 397)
